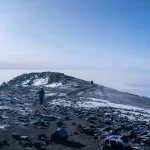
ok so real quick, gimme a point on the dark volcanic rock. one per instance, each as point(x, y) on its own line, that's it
point(88, 130)
point(59, 134)
point(59, 123)
point(42, 137)
point(116, 143)
point(16, 136)
point(40, 123)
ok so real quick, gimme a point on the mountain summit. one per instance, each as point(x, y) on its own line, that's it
point(61, 83)
point(44, 78)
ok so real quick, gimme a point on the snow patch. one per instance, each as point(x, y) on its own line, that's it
point(40, 81)
point(25, 82)
point(54, 85)
point(51, 94)
point(3, 126)
point(55, 94)
point(61, 102)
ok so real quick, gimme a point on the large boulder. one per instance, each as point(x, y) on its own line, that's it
point(59, 134)
point(116, 142)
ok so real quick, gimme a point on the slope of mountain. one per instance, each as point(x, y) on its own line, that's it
point(76, 87)
point(88, 112)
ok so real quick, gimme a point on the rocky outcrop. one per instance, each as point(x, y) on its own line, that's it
point(47, 77)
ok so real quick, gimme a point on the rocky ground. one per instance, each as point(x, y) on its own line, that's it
point(71, 118)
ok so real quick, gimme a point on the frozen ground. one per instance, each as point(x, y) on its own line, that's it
point(131, 112)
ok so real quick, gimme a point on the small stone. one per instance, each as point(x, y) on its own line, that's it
point(88, 130)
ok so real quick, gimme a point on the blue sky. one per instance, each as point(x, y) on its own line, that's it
point(111, 36)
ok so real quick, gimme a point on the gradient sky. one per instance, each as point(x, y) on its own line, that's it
point(109, 37)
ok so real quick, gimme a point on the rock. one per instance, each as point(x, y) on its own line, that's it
point(59, 134)
point(128, 128)
point(25, 138)
point(40, 123)
point(117, 143)
point(59, 123)
point(76, 133)
point(88, 130)
point(132, 134)
point(42, 137)
point(26, 144)
point(136, 140)
point(107, 128)
point(143, 133)
point(95, 136)
point(19, 138)
point(114, 132)
point(79, 126)
point(67, 118)
point(5, 142)
point(49, 117)
point(16, 136)
point(37, 145)
point(92, 121)
point(73, 123)
point(92, 126)
point(146, 140)
point(108, 121)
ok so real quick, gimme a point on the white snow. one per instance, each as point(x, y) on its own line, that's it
point(40, 81)
point(54, 85)
point(25, 82)
point(90, 104)
point(114, 105)
point(4, 107)
point(62, 94)
point(55, 94)
point(51, 94)
point(3, 126)
point(61, 102)
point(33, 90)
point(131, 112)
point(24, 85)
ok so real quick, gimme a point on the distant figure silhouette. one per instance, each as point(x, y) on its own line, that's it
point(92, 82)
point(41, 95)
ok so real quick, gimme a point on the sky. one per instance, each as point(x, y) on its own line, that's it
point(104, 40)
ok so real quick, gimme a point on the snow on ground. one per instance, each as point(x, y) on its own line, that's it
point(33, 90)
point(4, 107)
point(51, 94)
point(61, 102)
point(40, 81)
point(55, 94)
point(115, 105)
point(54, 85)
point(25, 82)
point(3, 126)
point(131, 112)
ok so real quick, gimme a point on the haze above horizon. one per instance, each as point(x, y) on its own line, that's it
point(107, 38)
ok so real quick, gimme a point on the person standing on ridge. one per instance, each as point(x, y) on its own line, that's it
point(41, 95)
